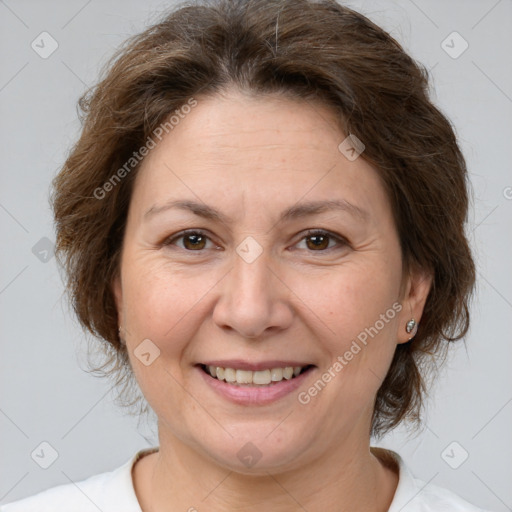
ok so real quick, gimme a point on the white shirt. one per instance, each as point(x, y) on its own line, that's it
point(113, 491)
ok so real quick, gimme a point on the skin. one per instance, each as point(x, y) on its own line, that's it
point(251, 158)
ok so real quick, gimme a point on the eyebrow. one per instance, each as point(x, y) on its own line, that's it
point(294, 212)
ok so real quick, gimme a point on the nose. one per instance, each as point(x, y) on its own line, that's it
point(254, 300)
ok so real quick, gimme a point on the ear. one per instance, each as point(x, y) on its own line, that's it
point(117, 290)
point(416, 290)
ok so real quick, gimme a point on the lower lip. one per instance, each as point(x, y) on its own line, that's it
point(254, 395)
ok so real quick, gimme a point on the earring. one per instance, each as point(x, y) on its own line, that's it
point(121, 339)
point(411, 326)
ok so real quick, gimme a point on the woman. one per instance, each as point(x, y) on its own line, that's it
point(264, 220)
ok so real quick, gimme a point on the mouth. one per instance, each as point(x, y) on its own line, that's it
point(254, 384)
point(264, 377)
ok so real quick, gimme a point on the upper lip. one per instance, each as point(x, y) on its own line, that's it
point(240, 364)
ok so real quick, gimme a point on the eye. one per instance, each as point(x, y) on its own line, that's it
point(193, 240)
point(317, 240)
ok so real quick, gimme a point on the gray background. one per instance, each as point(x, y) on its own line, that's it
point(46, 395)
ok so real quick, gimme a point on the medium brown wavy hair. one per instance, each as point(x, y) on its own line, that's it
point(311, 50)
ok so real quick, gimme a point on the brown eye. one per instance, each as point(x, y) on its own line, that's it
point(319, 241)
point(193, 241)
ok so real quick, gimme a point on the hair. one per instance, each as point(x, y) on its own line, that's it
point(303, 49)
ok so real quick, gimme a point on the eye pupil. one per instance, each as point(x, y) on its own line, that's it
point(197, 239)
point(319, 241)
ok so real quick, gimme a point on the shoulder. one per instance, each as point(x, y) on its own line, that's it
point(436, 498)
point(84, 496)
point(109, 492)
point(414, 495)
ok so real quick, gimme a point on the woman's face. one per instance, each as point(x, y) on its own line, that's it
point(253, 290)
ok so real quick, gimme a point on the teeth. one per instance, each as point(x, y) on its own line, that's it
point(276, 374)
point(288, 373)
point(229, 375)
point(261, 377)
point(257, 378)
point(243, 376)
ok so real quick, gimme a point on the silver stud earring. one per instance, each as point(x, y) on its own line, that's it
point(121, 339)
point(411, 326)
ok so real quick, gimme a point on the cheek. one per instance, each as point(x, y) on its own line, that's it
point(351, 299)
point(159, 306)
point(359, 306)
point(157, 299)
point(368, 321)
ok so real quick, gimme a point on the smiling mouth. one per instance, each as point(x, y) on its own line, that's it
point(260, 378)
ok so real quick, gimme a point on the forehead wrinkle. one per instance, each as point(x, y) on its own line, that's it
point(294, 212)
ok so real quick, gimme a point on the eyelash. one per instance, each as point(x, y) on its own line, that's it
point(309, 233)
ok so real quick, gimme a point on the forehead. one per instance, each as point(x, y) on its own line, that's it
point(260, 148)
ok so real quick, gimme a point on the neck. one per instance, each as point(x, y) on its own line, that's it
point(348, 478)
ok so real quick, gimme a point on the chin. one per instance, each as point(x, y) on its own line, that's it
point(259, 450)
